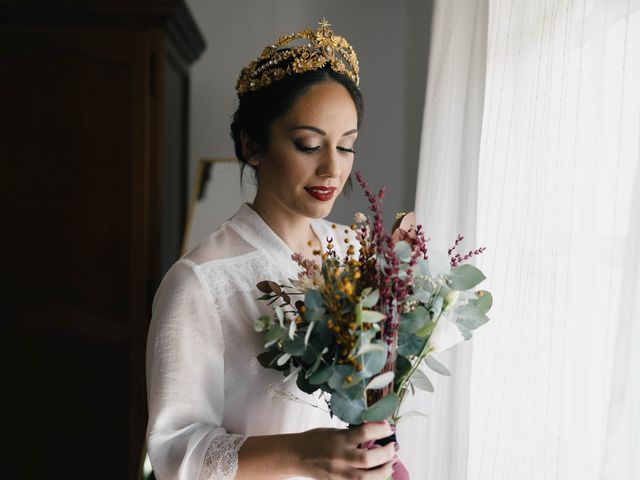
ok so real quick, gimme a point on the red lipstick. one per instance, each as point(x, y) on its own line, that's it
point(321, 193)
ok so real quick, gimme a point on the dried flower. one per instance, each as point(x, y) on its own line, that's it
point(344, 332)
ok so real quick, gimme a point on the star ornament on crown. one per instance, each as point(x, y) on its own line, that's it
point(284, 58)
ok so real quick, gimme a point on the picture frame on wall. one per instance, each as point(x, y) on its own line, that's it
point(217, 193)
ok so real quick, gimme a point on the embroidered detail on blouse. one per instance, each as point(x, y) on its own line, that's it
point(228, 279)
point(221, 459)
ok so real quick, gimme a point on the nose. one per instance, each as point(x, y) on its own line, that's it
point(329, 165)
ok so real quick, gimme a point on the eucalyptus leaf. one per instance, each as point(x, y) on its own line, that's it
point(436, 308)
point(422, 266)
point(380, 381)
point(371, 347)
point(358, 314)
point(276, 332)
point(403, 365)
point(308, 356)
point(268, 359)
point(313, 300)
point(426, 330)
point(382, 409)
point(283, 359)
point(409, 344)
point(483, 301)
point(420, 380)
point(303, 384)
point(443, 291)
point(466, 333)
point(317, 315)
point(294, 347)
point(370, 298)
point(469, 317)
point(373, 362)
point(413, 321)
point(367, 336)
point(466, 276)
point(403, 268)
point(316, 364)
point(436, 366)
point(340, 372)
point(371, 316)
point(347, 410)
point(353, 389)
point(403, 251)
point(321, 376)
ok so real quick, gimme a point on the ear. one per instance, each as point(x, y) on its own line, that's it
point(250, 149)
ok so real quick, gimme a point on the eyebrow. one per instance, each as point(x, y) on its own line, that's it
point(320, 131)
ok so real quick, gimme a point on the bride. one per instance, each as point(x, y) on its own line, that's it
point(214, 412)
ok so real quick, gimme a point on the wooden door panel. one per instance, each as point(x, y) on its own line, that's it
point(75, 116)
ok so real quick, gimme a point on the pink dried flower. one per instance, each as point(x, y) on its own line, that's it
point(308, 266)
point(457, 259)
point(458, 240)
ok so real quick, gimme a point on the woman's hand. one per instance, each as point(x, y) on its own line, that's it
point(322, 453)
point(333, 454)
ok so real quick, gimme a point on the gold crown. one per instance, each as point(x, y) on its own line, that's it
point(324, 48)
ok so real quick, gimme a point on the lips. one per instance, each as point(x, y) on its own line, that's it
point(321, 193)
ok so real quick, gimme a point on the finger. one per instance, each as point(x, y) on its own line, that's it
point(368, 431)
point(375, 457)
point(381, 473)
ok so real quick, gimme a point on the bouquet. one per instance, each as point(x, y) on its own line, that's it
point(357, 328)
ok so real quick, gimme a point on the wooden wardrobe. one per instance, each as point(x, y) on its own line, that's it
point(94, 98)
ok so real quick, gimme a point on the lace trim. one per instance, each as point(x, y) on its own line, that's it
point(228, 279)
point(221, 459)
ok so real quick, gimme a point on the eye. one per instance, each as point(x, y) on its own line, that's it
point(346, 150)
point(305, 148)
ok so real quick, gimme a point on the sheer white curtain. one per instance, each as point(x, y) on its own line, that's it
point(554, 377)
point(446, 205)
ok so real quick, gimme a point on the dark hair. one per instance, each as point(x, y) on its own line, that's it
point(259, 109)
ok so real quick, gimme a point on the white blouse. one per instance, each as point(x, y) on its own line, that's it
point(206, 390)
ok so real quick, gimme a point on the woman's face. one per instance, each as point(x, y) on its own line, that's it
point(310, 153)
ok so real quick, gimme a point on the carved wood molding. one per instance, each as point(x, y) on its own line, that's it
point(170, 16)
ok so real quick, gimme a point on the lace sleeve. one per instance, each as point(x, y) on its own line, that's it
point(221, 459)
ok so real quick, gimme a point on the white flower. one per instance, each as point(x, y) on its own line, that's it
point(304, 283)
point(359, 217)
point(451, 298)
point(445, 335)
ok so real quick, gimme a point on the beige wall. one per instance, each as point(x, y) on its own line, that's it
point(391, 39)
